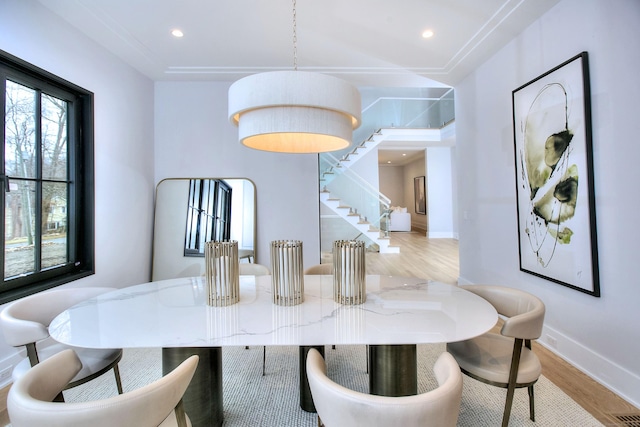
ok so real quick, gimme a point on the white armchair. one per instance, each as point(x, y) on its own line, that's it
point(399, 219)
point(340, 406)
point(156, 404)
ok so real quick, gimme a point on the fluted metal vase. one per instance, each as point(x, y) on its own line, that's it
point(349, 272)
point(222, 273)
point(287, 272)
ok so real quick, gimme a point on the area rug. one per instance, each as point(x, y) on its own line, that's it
point(251, 399)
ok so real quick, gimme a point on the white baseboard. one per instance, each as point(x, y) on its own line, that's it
point(8, 364)
point(622, 382)
point(619, 380)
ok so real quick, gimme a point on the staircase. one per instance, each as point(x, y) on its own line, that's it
point(351, 157)
point(349, 214)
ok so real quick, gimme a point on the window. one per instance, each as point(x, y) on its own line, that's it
point(47, 180)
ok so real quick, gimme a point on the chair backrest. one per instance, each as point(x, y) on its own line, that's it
point(340, 406)
point(250, 269)
point(29, 401)
point(320, 269)
point(26, 320)
point(524, 312)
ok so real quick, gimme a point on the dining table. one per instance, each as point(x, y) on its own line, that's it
point(398, 313)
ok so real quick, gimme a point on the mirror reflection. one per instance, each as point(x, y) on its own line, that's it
point(192, 211)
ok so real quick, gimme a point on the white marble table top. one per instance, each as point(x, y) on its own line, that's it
point(174, 313)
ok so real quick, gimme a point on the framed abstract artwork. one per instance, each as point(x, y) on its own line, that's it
point(554, 177)
point(419, 193)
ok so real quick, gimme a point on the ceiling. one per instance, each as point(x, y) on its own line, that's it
point(399, 157)
point(370, 43)
point(367, 42)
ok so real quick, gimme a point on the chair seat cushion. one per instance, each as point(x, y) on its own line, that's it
point(489, 357)
point(93, 360)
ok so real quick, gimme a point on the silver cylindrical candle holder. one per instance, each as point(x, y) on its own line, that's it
point(287, 273)
point(222, 273)
point(349, 272)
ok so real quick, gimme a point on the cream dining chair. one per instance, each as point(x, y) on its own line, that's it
point(157, 404)
point(25, 322)
point(339, 406)
point(319, 269)
point(505, 360)
point(250, 269)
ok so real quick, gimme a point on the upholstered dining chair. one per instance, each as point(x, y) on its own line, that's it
point(319, 269)
point(340, 406)
point(250, 269)
point(157, 404)
point(505, 360)
point(25, 322)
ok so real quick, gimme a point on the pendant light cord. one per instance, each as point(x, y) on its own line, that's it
point(295, 39)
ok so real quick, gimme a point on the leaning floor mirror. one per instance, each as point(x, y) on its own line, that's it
point(192, 211)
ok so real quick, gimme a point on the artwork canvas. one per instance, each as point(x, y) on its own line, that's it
point(554, 177)
point(419, 192)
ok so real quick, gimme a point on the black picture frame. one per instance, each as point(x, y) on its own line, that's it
point(420, 195)
point(554, 177)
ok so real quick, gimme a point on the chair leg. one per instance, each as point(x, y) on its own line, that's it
point(367, 356)
point(181, 416)
point(116, 373)
point(532, 409)
point(264, 358)
point(32, 353)
point(513, 376)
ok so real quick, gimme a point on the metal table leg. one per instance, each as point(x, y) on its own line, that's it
point(393, 370)
point(203, 398)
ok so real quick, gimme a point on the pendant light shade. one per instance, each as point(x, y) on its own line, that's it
point(294, 111)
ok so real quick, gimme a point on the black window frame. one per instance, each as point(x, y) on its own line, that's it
point(81, 203)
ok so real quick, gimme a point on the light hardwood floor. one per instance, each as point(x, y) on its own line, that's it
point(437, 259)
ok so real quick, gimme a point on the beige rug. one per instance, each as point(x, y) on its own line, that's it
point(253, 400)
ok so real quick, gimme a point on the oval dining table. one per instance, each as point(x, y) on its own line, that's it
point(399, 313)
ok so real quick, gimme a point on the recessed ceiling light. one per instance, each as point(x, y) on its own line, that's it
point(177, 33)
point(388, 161)
point(427, 34)
point(404, 154)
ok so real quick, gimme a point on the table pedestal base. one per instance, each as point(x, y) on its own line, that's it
point(203, 398)
point(306, 401)
point(393, 370)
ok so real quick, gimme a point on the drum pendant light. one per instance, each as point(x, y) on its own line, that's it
point(294, 111)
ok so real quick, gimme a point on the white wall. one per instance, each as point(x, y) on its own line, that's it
point(392, 184)
point(440, 192)
point(194, 138)
point(599, 335)
point(123, 108)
